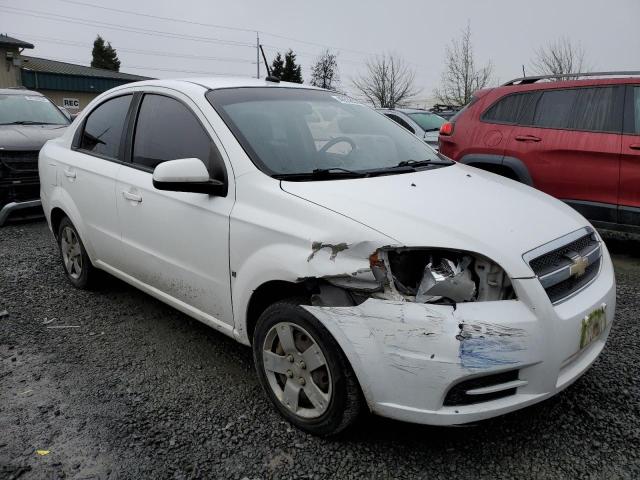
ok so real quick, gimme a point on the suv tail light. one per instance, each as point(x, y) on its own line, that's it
point(446, 128)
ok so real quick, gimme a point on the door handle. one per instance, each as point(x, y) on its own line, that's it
point(635, 146)
point(527, 138)
point(132, 196)
point(69, 173)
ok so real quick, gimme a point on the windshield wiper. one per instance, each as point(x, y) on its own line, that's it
point(419, 163)
point(322, 173)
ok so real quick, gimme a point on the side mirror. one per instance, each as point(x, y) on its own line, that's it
point(187, 175)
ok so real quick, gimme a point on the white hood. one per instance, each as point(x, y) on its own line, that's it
point(457, 207)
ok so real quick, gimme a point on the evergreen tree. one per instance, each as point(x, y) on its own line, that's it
point(291, 72)
point(104, 55)
point(277, 67)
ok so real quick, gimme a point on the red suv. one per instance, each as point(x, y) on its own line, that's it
point(578, 140)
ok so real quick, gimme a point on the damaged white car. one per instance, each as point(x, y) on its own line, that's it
point(366, 271)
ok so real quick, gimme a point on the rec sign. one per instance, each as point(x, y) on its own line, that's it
point(71, 103)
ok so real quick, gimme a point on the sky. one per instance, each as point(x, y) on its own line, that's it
point(206, 37)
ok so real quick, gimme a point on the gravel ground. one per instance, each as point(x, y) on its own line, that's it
point(134, 389)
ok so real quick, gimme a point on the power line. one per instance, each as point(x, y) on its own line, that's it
point(212, 25)
point(158, 17)
point(135, 51)
point(203, 24)
point(142, 31)
point(160, 69)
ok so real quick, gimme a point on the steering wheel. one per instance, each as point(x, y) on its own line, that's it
point(335, 141)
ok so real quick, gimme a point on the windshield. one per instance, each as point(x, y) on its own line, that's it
point(290, 131)
point(429, 122)
point(30, 110)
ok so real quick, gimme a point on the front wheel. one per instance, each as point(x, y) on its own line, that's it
point(303, 370)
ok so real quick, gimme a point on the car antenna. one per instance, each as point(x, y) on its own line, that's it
point(270, 78)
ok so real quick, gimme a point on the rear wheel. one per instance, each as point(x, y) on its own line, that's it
point(75, 260)
point(303, 370)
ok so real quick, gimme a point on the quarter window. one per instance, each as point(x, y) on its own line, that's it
point(554, 109)
point(511, 108)
point(104, 127)
point(167, 130)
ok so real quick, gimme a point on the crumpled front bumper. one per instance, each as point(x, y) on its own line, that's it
point(407, 356)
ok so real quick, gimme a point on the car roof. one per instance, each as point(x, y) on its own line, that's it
point(19, 91)
point(215, 83)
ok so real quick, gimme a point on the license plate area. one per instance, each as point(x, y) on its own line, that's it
point(593, 325)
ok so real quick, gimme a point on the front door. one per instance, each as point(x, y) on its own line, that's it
point(177, 243)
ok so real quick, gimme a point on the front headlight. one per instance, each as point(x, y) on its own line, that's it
point(439, 276)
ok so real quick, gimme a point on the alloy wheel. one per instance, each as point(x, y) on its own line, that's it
point(71, 252)
point(297, 370)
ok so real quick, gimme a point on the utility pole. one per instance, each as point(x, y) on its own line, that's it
point(257, 55)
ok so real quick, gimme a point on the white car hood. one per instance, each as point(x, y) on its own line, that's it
point(457, 207)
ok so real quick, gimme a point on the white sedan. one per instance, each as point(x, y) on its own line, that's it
point(366, 271)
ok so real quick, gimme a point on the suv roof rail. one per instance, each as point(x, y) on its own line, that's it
point(536, 78)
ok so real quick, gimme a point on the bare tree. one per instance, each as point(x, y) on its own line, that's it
point(388, 82)
point(461, 78)
point(559, 57)
point(324, 72)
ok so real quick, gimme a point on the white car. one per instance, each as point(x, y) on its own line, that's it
point(366, 271)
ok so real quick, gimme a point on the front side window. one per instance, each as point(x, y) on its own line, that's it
point(167, 130)
point(104, 128)
point(279, 129)
point(25, 109)
point(554, 109)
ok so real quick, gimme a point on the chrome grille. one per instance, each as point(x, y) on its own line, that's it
point(568, 264)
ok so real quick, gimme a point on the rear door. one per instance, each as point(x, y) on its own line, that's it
point(88, 174)
point(570, 144)
point(176, 242)
point(629, 199)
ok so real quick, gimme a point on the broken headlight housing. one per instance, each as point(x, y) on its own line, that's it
point(439, 276)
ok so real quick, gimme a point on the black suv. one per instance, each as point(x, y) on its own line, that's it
point(27, 120)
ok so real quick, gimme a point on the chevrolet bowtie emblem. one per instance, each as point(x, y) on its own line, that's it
point(579, 266)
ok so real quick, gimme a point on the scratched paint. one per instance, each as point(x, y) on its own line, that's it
point(485, 345)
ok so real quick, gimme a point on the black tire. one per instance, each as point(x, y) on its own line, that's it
point(87, 277)
point(346, 401)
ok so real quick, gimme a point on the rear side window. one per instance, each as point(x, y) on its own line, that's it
point(554, 109)
point(104, 128)
point(595, 110)
point(400, 122)
point(511, 109)
point(167, 130)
